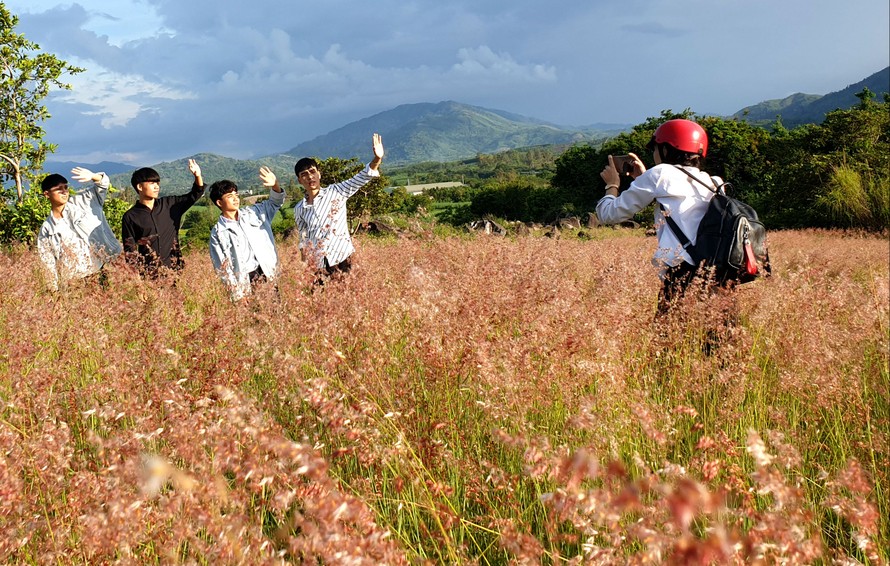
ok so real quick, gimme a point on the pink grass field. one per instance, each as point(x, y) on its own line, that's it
point(453, 400)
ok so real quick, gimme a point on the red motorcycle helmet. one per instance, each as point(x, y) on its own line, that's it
point(684, 135)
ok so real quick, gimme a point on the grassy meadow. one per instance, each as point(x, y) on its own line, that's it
point(456, 399)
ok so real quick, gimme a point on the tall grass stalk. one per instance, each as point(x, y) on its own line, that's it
point(455, 399)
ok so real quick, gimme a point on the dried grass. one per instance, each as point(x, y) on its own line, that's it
point(452, 400)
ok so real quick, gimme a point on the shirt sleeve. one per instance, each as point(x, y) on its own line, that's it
point(48, 257)
point(268, 208)
point(101, 188)
point(302, 211)
point(612, 210)
point(128, 235)
point(351, 186)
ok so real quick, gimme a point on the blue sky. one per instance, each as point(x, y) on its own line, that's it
point(167, 79)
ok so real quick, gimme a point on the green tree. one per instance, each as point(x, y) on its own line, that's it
point(26, 77)
point(20, 222)
point(114, 208)
point(198, 223)
point(518, 200)
point(814, 172)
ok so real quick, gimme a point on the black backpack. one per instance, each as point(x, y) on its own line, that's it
point(730, 238)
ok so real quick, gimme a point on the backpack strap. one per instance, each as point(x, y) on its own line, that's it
point(675, 228)
point(678, 232)
point(715, 189)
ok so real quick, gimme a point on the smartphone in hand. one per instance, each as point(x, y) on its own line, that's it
point(624, 164)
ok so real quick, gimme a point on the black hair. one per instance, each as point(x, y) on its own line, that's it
point(51, 181)
point(220, 188)
point(672, 155)
point(144, 175)
point(303, 164)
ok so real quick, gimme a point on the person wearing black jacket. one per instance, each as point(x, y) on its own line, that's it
point(150, 229)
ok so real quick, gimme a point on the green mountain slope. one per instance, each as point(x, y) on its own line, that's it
point(802, 108)
point(176, 178)
point(444, 131)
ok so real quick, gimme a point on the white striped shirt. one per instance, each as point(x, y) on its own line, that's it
point(324, 232)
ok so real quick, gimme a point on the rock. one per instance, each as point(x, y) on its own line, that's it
point(570, 223)
point(487, 226)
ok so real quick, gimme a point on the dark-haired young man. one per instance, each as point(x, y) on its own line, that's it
point(75, 240)
point(150, 229)
point(242, 246)
point(321, 215)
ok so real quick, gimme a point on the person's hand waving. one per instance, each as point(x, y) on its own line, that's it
point(83, 175)
point(269, 179)
point(377, 143)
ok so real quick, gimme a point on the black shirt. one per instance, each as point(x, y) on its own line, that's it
point(153, 233)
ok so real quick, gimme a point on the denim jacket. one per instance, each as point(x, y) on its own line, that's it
point(81, 242)
point(227, 249)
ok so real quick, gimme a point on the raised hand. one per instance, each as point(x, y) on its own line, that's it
point(639, 167)
point(194, 168)
point(378, 146)
point(268, 177)
point(83, 175)
point(377, 142)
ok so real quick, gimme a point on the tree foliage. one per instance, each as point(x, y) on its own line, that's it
point(26, 77)
point(811, 168)
point(20, 220)
point(518, 200)
point(833, 174)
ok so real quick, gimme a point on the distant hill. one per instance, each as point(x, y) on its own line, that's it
point(802, 108)
point(176, 178)
point(444, 131)
point(65, 167)
point(451, 132)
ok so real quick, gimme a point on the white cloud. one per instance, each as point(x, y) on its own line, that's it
point(483, 61)
point(202, 75)
point(116, 97)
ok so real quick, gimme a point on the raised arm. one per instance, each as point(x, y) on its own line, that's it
point(276, 195)
point(377, 143)
point(101, 181)
point(195, 170)
point(269, 179)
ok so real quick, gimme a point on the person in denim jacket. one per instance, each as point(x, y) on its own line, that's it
point(242, 246)
point(75, 240)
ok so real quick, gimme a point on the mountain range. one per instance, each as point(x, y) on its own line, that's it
point(799, 108)
point(446, 131)
point(451, 131)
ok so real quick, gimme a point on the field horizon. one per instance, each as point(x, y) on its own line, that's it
point(455, 399)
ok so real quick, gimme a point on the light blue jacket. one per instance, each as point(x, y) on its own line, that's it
point(81, 242)
point(230, 255)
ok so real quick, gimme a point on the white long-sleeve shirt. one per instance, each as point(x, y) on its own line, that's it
point(324, 232)
point(81, 242)
point(683, 199)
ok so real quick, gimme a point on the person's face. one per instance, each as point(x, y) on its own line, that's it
point(58, 195)
point(229, 202)
point(149, 189)
point(656, 155)
point(310, 179)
